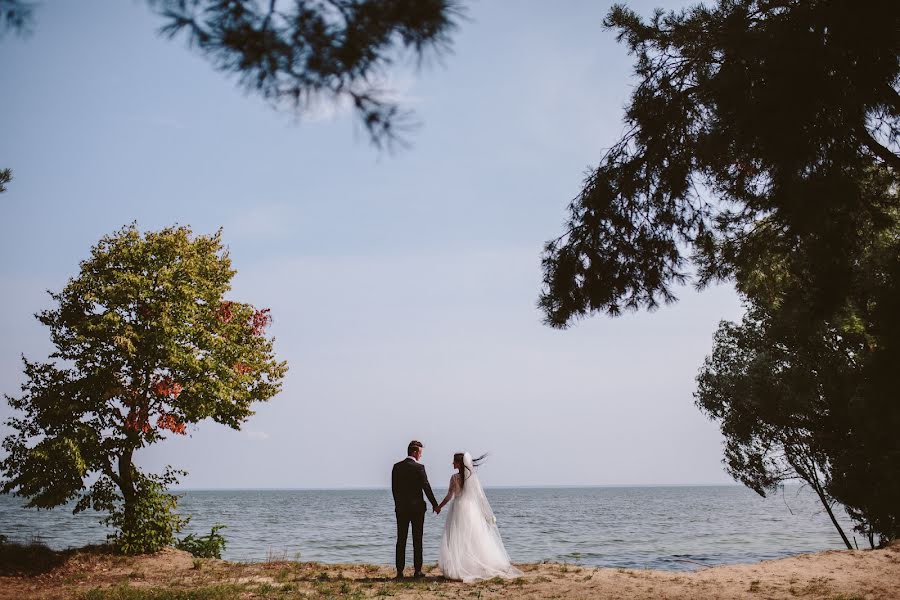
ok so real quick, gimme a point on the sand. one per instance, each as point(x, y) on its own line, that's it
point(96, 574)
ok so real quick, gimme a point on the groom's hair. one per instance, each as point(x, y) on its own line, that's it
point(413, 446)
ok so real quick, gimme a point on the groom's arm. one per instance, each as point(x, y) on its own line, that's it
point(427, 487)
point(395, 487)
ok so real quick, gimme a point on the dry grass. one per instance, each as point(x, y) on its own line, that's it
point(96, 574)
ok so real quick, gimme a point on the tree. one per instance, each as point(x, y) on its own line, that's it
point(16, 15)
point(775, 406)
point(751, 131)
point(146, 345)
point(5, 177)
point(762, 148)
point(815, 399)
point(298, 51)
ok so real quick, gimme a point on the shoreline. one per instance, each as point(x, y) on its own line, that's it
point(364, 488)
point(94, 573)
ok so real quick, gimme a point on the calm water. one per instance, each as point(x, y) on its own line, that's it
point(653, 527)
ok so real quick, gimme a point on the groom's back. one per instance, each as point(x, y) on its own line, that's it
point(406, 485)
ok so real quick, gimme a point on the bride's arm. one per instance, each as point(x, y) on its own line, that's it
point(451, 491)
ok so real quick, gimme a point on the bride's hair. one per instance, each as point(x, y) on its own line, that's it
point(458, 458)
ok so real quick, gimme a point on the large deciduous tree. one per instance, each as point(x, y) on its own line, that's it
point(146, 345)
point(298, 52)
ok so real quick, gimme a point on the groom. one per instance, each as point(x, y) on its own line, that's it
point(408, 481)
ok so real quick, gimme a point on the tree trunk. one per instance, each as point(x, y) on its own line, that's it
point(126, 485)
point(830, 512)
point(806, 468)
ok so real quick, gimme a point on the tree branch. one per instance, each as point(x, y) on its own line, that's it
point(890, 159)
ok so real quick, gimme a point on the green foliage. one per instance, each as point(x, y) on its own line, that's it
point(146, 345)
point(148, 524)
point(815, 398)
point(774, 402)
point(302, 50)
point(298, 53)
point(16, 15)
point(5, 177)
point(207, 546)
point(752, 132)
point(762, 148)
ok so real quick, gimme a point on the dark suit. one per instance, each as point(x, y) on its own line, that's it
point(408, 481)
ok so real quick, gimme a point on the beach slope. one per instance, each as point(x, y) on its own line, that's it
point(96, 574)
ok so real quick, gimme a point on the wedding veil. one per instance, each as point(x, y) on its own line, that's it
point(472, 489)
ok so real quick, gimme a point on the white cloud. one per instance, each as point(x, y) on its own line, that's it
point(257, 435)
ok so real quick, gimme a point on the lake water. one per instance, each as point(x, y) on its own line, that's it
point(636, 527)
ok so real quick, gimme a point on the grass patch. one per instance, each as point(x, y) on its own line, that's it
point(282, 556)
point(124, 592)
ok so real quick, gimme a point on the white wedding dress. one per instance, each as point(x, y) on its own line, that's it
point(471, 548)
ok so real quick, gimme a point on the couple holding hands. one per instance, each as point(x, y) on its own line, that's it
point(471, 548)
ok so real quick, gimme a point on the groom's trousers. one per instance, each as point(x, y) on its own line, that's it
point(405, 518)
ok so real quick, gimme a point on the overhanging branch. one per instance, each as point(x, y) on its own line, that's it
point(890, 159)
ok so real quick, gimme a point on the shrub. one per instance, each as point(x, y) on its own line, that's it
point(207, 546)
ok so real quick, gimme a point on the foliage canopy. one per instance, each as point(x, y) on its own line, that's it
point(816, 399)
point(752, 131)
point(762, 148)
point(300, 51)
point(145, 345)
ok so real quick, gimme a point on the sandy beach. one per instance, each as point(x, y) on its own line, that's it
point(96, 574)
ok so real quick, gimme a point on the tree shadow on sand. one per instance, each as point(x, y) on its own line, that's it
point(29, 560)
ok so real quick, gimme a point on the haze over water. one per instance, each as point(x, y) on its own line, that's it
point(674, 528)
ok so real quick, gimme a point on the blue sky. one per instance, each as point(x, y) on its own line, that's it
point(403, 285)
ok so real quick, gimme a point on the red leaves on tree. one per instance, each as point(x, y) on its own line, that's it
point(242, 368)
point(138, 419)
point(225, 312)
point(167, 388)
point(168, 421)
point(260, 320)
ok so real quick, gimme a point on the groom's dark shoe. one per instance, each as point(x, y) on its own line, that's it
point(398, 576)
point(418, 575)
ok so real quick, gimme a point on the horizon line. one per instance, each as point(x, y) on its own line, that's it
point(386, 488)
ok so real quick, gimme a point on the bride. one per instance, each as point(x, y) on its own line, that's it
point(471, 547)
